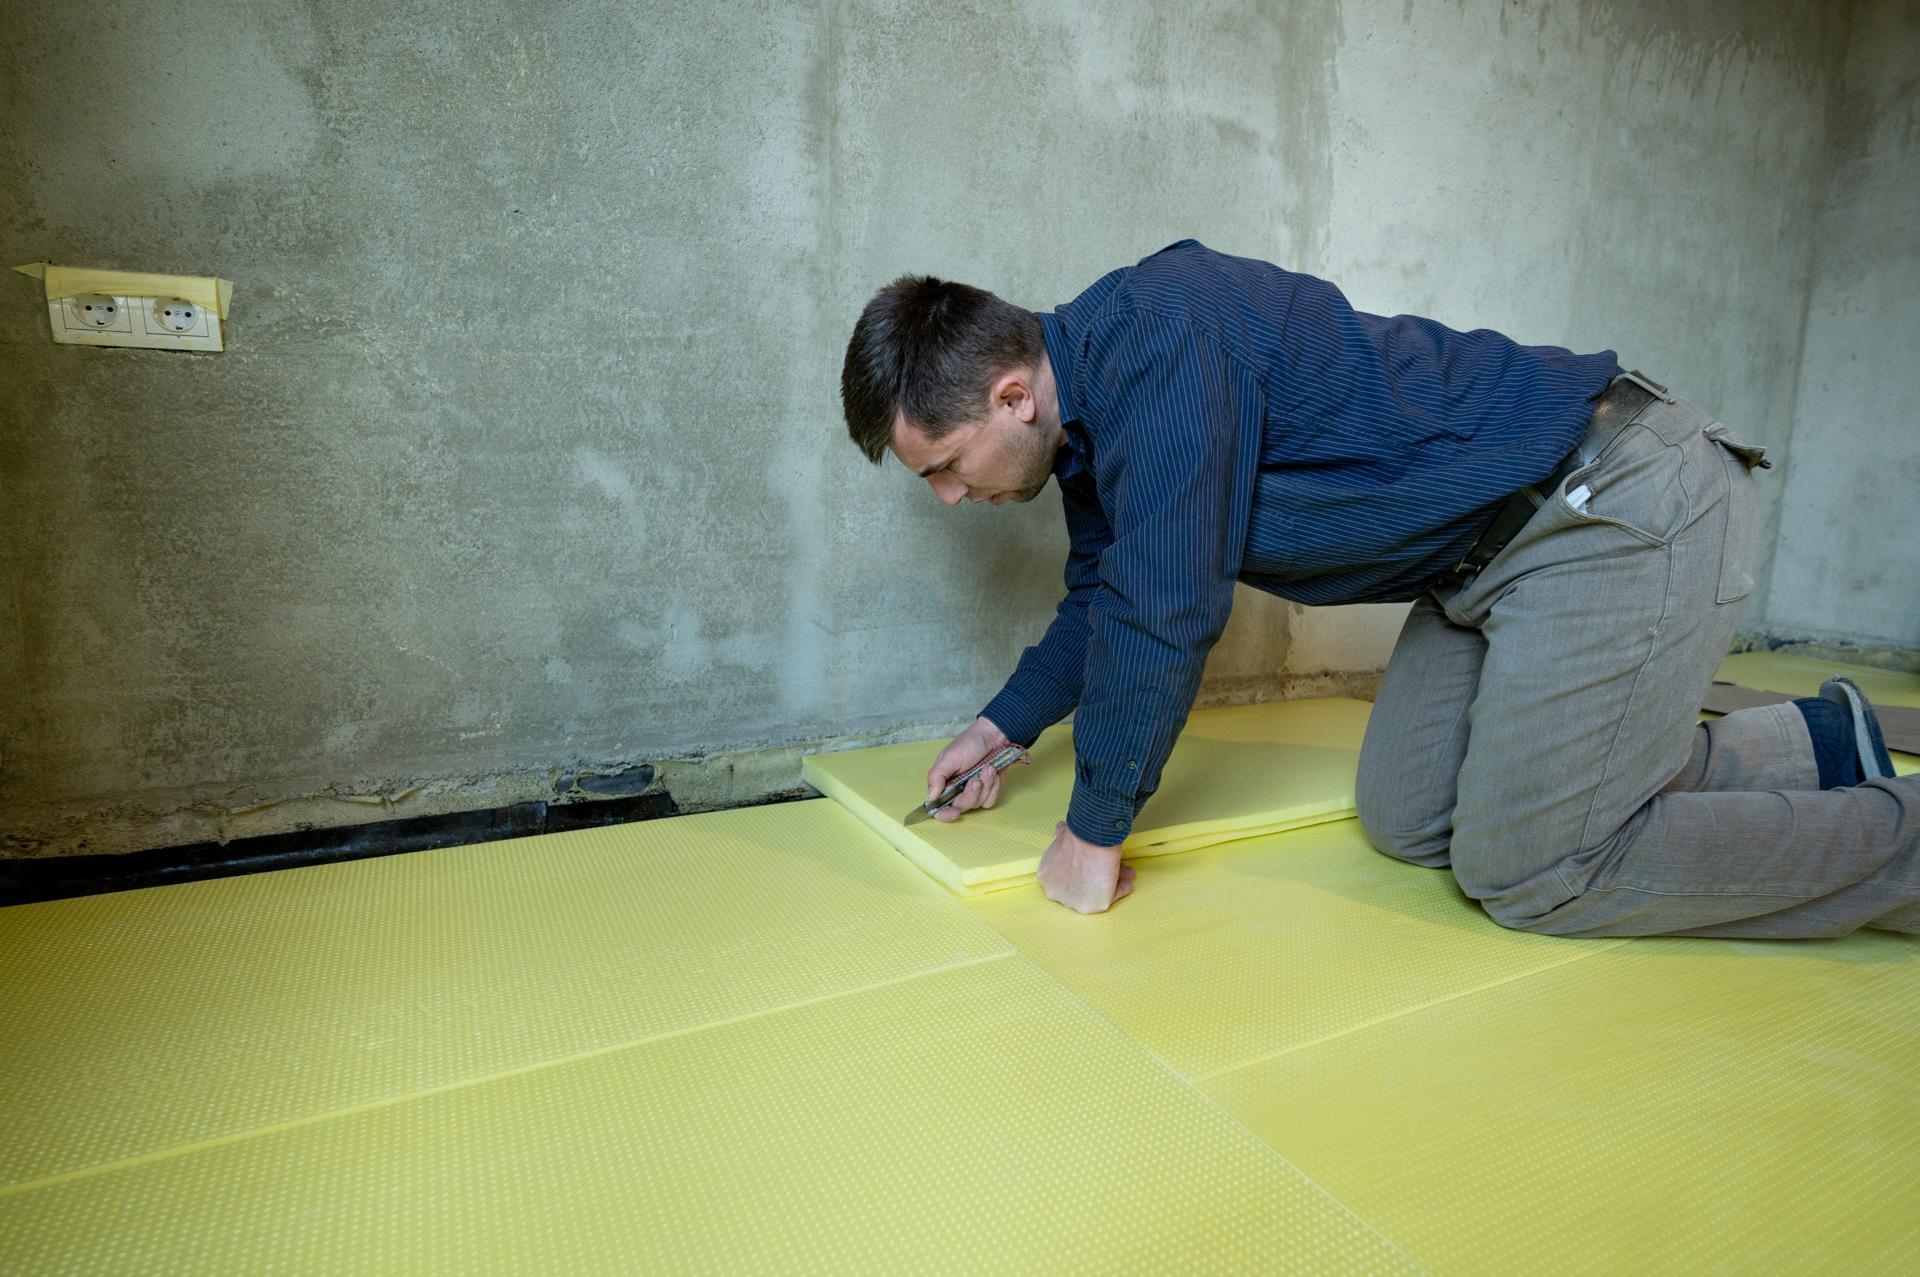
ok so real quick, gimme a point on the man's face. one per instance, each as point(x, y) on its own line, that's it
point(1004, 456)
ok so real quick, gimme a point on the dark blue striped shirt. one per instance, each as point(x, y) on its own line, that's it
point(1230, 420)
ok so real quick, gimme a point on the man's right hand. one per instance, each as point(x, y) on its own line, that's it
point(967, 749)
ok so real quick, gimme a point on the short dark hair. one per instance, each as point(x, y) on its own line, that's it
point(929, 348)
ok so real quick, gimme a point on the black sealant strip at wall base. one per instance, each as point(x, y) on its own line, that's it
point(24, 880)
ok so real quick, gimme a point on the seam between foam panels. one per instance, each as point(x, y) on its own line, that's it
point(1193, 1087)
point(535, 1066)
point(1410, 1010)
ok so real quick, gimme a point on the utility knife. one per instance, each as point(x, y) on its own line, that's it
point(999, 760)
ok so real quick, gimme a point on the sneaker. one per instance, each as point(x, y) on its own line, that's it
point(1870, 745)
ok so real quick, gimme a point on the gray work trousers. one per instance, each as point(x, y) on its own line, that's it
point(1537, 726)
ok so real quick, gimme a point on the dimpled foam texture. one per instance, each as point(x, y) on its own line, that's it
point(1234, 773)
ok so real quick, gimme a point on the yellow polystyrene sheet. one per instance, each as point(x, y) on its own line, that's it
point(209, 291)
point(1668, 1106)
point(145, 1020)
point(1792, 674)
point(1797, 675)
point(1234, 953)
point(972, 1119)
point(1235, 773)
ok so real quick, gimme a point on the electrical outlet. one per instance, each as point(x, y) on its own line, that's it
point(97, 312)
point(156, 323)
point(175, 315)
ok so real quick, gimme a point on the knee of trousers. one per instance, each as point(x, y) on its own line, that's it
point(1393, 836)
point(1395, 817)
point(1518, 895)
point(1506, 911)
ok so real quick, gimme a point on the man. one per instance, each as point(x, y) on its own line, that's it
point(1577, 543)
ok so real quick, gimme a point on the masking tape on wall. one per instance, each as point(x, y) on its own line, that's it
point(65, 281)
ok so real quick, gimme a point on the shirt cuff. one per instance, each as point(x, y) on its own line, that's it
point(1018, 717)
point(1102, 817)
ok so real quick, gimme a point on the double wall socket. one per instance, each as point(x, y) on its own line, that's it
point(160, 323)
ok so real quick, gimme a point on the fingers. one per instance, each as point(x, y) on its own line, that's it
point(982, 791)
point(943, 770)
point(1085, 880)
point(1095, 900)
point(967, 799)
point(962, 752)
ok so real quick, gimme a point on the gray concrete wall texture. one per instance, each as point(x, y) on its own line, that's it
point(525, 458)
point(1847, 568)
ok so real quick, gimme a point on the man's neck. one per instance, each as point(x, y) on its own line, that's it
point(1047, 397)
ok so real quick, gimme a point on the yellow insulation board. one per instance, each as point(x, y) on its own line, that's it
point(750, 1042)
point(1235, 773)
point(1797, 675)
point(1495, 1101)
point(1679, 1106)
point(1229, 954)
point(762, 1041)
point(144, 1020)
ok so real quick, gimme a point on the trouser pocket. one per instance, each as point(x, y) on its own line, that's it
point(1740, 458)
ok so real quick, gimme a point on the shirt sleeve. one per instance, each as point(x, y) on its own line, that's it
point(1175, 423)
point(1045, 686)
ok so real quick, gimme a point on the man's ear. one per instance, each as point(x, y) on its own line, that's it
point(1014, 388)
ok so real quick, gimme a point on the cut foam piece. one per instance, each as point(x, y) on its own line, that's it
point(148, 1019)
point(1236, 773)
point(1671, 1105)
point(1230, 954)
point(975, 1119)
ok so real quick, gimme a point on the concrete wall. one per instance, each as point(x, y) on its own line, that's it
point(525, 457)
point(1847, 569)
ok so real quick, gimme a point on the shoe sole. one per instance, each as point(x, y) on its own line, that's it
point(1875, 763)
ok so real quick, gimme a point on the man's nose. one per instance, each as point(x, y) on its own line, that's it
point(948, 488)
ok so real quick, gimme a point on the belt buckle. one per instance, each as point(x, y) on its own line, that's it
point(1457, 576)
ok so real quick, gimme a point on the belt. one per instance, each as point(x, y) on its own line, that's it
point(1618, 404)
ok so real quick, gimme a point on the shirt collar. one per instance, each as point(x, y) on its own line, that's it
point(1072, 456)
point(1054, 333)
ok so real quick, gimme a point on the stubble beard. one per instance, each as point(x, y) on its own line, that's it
point(1041, 468)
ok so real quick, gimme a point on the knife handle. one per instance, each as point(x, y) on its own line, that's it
point(999, 760)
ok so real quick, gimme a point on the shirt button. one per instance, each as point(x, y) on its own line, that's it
point(1132, 766)
point(1119, 824)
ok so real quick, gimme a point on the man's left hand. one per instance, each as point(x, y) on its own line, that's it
point(1082, 876)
